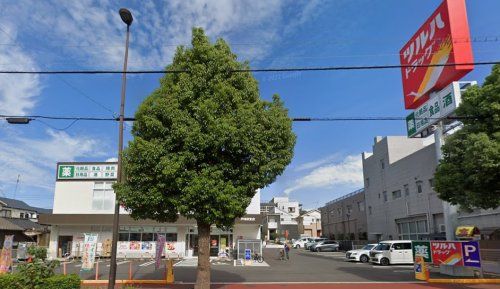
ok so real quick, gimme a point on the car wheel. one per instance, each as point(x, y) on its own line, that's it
point(298, 246)
point(318, 249)
point(384, 262)
point(363, 258)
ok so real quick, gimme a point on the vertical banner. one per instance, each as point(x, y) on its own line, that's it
point(6, 255)
point(447, 253)
point(470, 250)
point(160, 245)
point(89, 251)
point(420, 268)
point(422, 249)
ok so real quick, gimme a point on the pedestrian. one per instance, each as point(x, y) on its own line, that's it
point(287, 250)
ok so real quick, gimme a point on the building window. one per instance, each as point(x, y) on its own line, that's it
point(146, 234)
point(407, 190)
point(367, 182)
point(6, 213)
point(361, 206)
point(396, 194)
point(21, 215)
point(382, 165)
point(339, 211)
point(384, 193)
point(349, 210)
point(431, 183)
point(413, 230)
point(369, 210)
point(419, 186)
point(291, 209)
point(103, 197)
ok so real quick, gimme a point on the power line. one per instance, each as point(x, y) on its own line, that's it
point(296, 119)
point(282, 69)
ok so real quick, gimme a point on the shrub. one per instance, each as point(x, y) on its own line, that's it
point(71, 281)
point(10, 281)
point(32, 275)
point(38, 252)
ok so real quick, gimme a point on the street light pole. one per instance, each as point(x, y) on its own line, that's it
point(127, 19)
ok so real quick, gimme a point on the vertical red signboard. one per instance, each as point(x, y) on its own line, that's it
point(444, 39)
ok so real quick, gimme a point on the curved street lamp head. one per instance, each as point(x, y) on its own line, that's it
point(126, 16)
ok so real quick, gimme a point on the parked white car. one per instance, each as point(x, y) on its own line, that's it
point(300, 243)
point(392, 252)
point(360, 255)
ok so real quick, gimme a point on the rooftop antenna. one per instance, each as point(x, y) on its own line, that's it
point(17, 183)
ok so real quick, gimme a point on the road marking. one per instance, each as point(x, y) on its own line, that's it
point(147, 263)
point(80, 265)
point(118, 263)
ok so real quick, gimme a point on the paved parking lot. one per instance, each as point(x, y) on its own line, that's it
point(303, 266)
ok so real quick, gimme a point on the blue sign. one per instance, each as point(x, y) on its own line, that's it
point(470, 253)
point(248, 254)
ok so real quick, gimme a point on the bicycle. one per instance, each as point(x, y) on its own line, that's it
point(257, 257)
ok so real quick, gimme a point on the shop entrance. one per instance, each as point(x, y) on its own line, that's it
point(64, 245)
point(219, 242)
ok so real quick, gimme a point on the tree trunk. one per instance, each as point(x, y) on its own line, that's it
point(203, 273)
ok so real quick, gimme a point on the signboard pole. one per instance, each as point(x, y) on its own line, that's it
point(449, 211)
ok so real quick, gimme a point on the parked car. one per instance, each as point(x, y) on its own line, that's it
point(392, 252)
point(361, 255)
point(324, 246)
point(312, 242)
point(300, 243)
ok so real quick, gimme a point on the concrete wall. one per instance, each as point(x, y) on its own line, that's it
point(396, 162)
point(75, 197)
point(335, 221)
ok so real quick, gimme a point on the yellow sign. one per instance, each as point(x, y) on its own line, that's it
point(421, 270)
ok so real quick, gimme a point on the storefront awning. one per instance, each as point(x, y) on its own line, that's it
point(466, 231)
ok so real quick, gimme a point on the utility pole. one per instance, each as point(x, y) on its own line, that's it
point(127, 18)
point(17, 183)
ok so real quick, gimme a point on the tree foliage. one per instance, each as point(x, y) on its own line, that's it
point(204, 141)
point(469, 174)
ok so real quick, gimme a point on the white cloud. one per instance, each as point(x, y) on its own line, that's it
point(112, 160)
point(347, 172)
point(317, 163)
point(90, 33)
point(17, 92)
point(35, 159)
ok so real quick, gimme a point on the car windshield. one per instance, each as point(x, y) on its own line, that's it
point(383, 247)
point(368, 247)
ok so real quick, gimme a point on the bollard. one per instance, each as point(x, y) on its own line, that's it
point(96, 270)
point(130, 271)
point(170, 271)
point(64, 268)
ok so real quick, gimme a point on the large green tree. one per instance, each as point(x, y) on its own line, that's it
point(204, 142)
point(469, 174)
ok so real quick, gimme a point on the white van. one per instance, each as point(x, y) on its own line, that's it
point(392, 252)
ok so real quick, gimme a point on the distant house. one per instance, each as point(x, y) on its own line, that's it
point(21, 220)
point(310, 223)
point(279, 218)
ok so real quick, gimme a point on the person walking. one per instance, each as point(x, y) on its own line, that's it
point(287, 250)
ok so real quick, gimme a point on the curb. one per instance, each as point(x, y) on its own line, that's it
point(465, 281)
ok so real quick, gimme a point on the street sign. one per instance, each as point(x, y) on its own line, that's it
point(86, 171)
point(248, 254)
point(422, 249)
point(471, 254)
point(447, 253)
point(441, 40)
point(442, 104)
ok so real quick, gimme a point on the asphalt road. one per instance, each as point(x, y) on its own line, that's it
point(303, 266)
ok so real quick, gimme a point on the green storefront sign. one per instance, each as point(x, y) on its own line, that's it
point(411, 127)
point(422, 248)
point(86, 171)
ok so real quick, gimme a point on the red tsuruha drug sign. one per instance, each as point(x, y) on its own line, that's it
point(444, 39)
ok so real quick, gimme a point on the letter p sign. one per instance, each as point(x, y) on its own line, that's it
point(470, 251)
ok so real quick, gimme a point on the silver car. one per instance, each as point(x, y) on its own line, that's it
point(308, 245)
point(325, 246)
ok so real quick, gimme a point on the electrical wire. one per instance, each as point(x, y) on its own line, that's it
point(55, 128)
point(283, 69)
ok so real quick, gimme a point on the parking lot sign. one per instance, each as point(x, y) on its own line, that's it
point(422, 249)
point(470, 252)
point(248, 254)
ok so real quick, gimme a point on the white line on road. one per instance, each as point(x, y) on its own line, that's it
point(147, 264)
point(118, 263)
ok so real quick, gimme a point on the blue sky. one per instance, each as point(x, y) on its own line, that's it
point(281, 33)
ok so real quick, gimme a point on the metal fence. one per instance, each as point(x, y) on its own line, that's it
point(254, 245)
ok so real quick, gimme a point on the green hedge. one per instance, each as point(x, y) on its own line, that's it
point(14, 281)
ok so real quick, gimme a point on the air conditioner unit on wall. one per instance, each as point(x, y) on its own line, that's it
point(442, 228)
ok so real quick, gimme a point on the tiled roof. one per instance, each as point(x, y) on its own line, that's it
point(17, 204)
point(14, 224)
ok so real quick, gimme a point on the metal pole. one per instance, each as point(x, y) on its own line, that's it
point(116, 217)
point(449, 211)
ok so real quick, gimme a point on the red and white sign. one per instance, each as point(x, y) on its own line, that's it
point(444, 39)
point(447, 253)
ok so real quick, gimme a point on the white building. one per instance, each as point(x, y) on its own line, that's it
point(310, 223)
point(84, 203)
